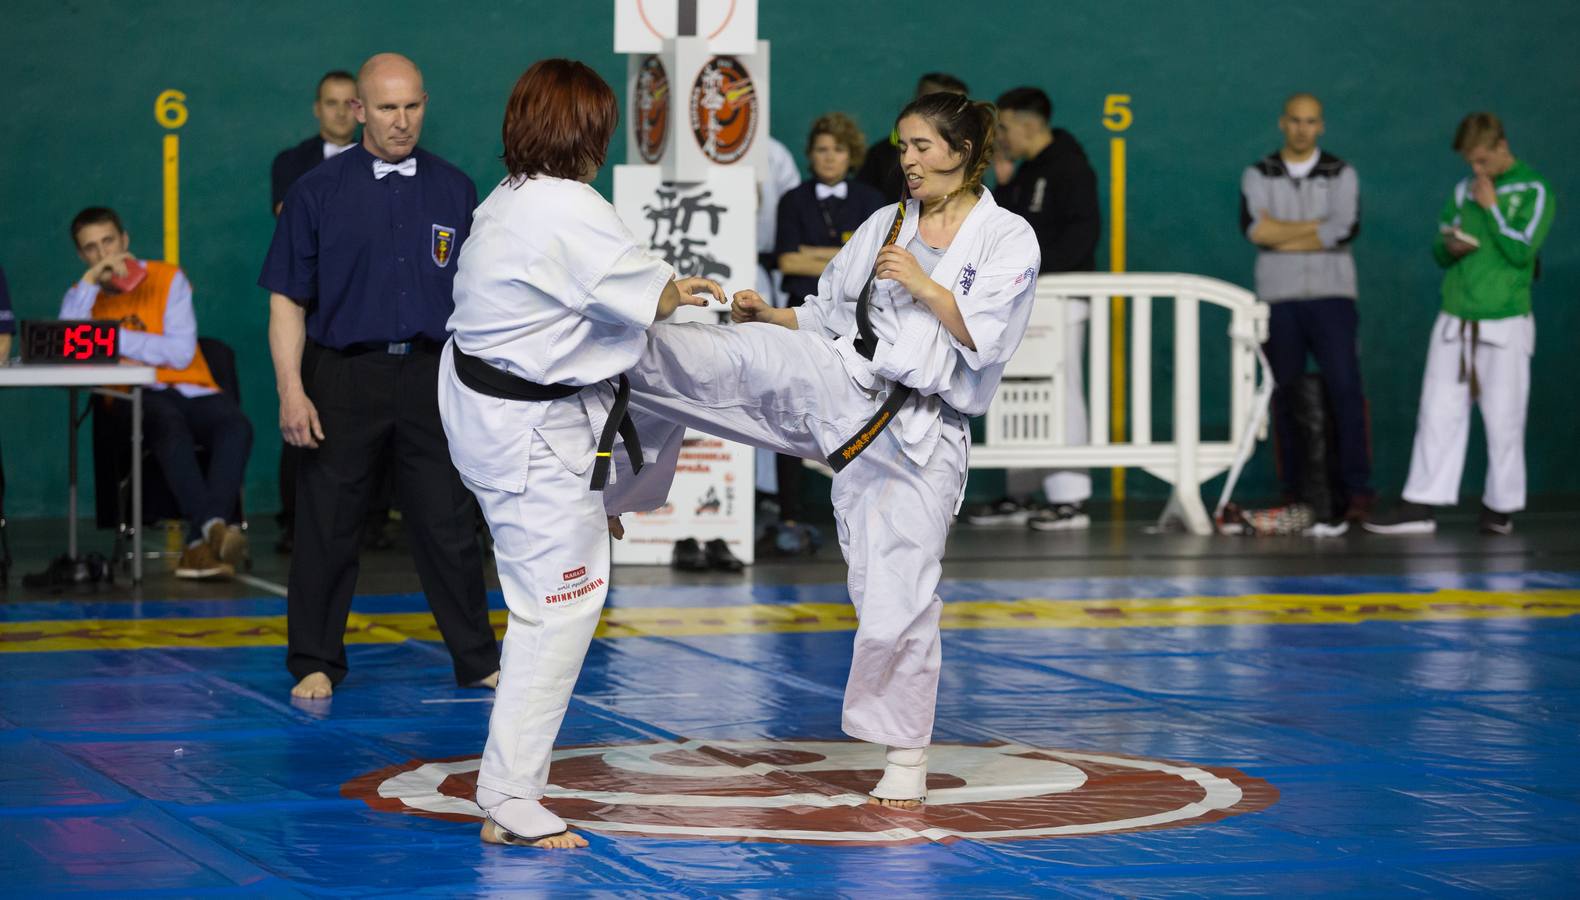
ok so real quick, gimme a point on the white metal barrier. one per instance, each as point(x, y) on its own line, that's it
point(1026, 425)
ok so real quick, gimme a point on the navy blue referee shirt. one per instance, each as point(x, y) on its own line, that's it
point(372, 260)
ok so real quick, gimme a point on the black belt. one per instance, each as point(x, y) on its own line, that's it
point(485, 379)
point(866, 344)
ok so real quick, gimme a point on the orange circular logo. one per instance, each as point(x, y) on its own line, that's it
point(724, 109)
point(651, 104)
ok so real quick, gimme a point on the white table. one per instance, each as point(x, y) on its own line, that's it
point(106, 380)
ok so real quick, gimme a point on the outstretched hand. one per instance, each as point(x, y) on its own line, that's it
point(696, 291)
point(687, 292)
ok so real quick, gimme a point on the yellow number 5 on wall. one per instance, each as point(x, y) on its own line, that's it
point(1116, 112)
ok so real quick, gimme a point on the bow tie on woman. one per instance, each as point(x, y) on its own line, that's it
point(825, 191)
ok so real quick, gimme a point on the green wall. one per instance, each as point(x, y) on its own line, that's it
point(1206, 82)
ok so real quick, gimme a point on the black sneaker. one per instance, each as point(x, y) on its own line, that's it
point(1060, 517)
point(1493, 522)
point(1406, 518)
point(1004, 511)
point(718, 556)
point(689, 557)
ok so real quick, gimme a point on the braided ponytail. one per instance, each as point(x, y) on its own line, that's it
point(966, 126)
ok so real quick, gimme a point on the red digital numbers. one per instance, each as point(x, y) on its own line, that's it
point(77, 342)
point(87, 341)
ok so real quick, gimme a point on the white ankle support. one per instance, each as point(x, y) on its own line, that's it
point(521, 817)
point(905, 776)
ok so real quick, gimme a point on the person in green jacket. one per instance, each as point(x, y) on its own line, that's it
point(1489, 235)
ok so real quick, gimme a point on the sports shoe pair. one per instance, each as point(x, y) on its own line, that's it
point(715, 555)
point(1051, 517)
point(223, 548)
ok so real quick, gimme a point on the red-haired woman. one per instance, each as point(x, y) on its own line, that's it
point(909, 332)
point(553, 299)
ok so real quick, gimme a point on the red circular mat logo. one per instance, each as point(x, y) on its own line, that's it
point(815, 792)
point(652, 109)
point(724, 109)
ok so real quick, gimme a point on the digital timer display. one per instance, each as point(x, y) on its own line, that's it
point(70, 342)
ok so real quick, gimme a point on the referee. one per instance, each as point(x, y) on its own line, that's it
point(359, 277)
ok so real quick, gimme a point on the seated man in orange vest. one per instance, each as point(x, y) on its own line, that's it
point(185, 409)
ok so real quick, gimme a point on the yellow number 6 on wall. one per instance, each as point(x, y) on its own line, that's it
point(170, 108)
point(1116, 112)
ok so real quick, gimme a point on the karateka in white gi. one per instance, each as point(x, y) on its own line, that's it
point(553, 298)
point(948, 295)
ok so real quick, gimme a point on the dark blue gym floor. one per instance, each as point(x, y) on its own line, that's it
point(1270, 734)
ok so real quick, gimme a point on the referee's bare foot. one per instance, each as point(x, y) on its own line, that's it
point(565, 840)
point(314, 687)
point(491, 682)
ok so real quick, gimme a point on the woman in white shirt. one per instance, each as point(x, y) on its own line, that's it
point(553, 298)
point(910, 330)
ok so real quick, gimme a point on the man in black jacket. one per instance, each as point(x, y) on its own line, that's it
point(337, 125)
point(1055, 190)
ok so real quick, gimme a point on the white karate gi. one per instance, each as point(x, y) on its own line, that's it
point(551, 287)
point(804, 392)
point(1502, 358)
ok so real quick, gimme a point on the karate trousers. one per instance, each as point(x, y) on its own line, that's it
point(788, 391)
point(1500, 359)
point(551, 547)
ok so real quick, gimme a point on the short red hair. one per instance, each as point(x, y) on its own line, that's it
point(558, 121)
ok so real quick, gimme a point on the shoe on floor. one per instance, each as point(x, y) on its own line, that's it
point(200, 561)
point(688, 556)
point(1060, 517)
point(1333, 529)
point(1004, 511)
point(229, 544)
point(1406, 518)
point(719, 558)
point(1493, 522)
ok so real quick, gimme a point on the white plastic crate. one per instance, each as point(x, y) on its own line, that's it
point(1022, 413)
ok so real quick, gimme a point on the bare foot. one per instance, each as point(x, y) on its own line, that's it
point(491, 682)
point(895, 804)
point(565, 840)
point(314, 687)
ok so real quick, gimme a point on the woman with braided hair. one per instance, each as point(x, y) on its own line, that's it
point(908, 334)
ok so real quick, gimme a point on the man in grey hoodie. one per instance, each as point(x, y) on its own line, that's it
point(1301, 207)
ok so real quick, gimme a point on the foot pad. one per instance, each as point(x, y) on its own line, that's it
point(905, 776)
point(516, 818)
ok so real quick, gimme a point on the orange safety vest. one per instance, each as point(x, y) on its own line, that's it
point(143, 309)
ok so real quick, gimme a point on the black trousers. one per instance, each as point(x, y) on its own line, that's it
point(375, 406)
point(1325, 328)
point(175, 425)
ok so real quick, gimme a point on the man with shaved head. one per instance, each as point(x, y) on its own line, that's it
point(359, 278)
point(1300, 206)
